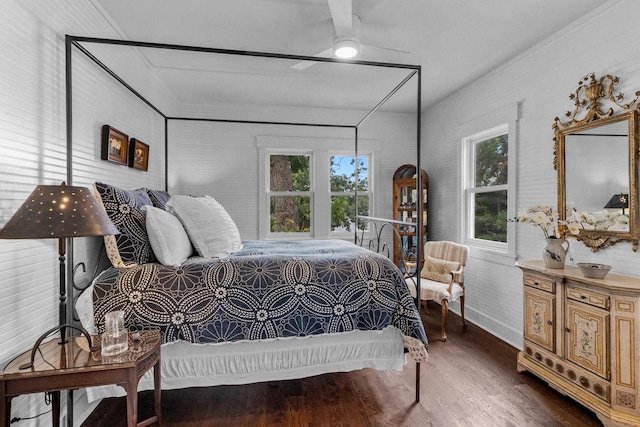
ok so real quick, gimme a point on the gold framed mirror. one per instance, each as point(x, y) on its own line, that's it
point(596, 158)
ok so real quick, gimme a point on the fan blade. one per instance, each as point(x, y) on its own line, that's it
point(382, 52)
point(341, 13)
point(302, 65)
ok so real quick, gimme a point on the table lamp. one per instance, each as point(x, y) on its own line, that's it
point(618, 201)
point(59, 211)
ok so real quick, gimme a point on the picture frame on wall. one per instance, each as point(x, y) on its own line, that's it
point(138, 154)
point(115, 145)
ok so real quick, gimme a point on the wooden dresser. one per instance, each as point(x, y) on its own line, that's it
point(581, 337)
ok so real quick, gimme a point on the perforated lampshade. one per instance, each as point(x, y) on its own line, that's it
point(59, 211)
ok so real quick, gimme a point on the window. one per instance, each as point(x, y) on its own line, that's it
point(308, 186)
point(289, 193)
point(486, 191)
point(342, 190)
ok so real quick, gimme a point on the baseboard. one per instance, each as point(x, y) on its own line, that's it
point(505, 332)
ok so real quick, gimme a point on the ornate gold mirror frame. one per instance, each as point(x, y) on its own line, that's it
point(612, 222)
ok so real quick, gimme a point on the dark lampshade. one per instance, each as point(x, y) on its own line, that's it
point(618, 201)
point(59, 211)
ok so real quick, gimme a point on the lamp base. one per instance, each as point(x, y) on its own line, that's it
point(63, 341)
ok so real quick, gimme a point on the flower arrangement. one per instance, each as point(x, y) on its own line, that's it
point(601, 220)
point(541, 216)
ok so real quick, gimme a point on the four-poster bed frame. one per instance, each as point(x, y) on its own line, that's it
point(71, 42)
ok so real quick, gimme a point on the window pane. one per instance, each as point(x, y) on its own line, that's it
point(343, 212)
point(289, 173)
point(491, 216)
point(343, 173)
point(491, 161)
point(290, 214)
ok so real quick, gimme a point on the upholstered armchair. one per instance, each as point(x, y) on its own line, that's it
point(442, 277)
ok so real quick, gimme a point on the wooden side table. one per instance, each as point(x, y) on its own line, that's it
point(72, 365)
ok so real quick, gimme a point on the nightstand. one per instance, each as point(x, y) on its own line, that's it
point(72, 365)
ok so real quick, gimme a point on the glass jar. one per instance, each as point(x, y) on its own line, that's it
point(115, 339)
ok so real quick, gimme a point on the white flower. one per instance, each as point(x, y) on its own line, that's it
point(541, 216)
point(599, 220)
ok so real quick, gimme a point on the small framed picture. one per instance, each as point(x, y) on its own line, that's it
point(115, 145)
point(138, 154)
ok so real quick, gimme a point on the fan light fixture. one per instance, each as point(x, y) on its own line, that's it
point(346, 48)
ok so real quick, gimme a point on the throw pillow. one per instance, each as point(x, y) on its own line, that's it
point(210, 228)
point(124, 208)
point(168, 238)
point(439, 270)
point(158, 197)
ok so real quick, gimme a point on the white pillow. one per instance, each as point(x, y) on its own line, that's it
point(209, 226)
point(169, 241)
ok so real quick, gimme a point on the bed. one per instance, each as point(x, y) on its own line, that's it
point(247, 310)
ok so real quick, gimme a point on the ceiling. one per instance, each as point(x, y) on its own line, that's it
point(454, 41)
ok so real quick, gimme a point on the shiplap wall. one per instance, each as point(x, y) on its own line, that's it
point(539, 81)
point(33, 151)
point(221, 159)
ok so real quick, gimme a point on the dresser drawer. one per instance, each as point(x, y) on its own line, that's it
point(538, 282)
point(588, 297)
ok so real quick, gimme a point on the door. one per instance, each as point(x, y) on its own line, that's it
point(587, 330)
point(539, 317)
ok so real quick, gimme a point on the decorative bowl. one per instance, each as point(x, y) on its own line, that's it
point(594, 271)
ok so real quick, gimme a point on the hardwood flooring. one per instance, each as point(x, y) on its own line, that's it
point(470, 380)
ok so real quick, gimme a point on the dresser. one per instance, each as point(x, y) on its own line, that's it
point(582, 336)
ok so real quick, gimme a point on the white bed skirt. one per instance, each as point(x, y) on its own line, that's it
point(202, 365)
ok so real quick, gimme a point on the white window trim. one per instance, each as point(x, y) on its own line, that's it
point(320, 149)
point(478, 130)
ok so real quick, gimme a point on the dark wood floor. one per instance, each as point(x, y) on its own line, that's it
point(470, 380)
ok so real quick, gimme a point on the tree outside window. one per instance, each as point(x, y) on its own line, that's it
point(290, 195)
point(487, 192)
point(342, 187)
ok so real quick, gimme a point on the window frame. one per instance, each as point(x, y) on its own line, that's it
point(368, 193)
point(309, 193)
point(321, 150)
point(469, 190)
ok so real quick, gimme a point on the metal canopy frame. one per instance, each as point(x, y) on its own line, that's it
point(78, 41)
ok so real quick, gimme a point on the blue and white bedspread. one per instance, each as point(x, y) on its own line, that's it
point(266, 290)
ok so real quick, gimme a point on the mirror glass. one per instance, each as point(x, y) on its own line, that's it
point(598, 167)
point(597, 177)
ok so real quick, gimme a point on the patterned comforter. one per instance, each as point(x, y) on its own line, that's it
point(266, 290)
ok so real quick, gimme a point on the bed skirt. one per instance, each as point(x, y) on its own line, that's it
point(202, 365)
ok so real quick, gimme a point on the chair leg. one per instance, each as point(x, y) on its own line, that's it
point(445, 310)
point(464, 324)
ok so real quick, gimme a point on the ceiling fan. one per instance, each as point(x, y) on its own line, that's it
point(346, 36)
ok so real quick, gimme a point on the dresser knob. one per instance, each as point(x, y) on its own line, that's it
point(583, 296)
point(567, 330)
point(549, 322)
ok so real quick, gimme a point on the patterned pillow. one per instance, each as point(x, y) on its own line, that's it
point(158, 198)
point(132, 245)
point(438, 270)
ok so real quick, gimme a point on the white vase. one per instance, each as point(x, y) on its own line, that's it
point(555, 253)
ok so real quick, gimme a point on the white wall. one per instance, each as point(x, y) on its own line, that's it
point(539, 81)
point(33, 151)
point(221, 159)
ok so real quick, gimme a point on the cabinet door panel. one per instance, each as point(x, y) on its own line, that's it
point(539, 312)
point(588, 337)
